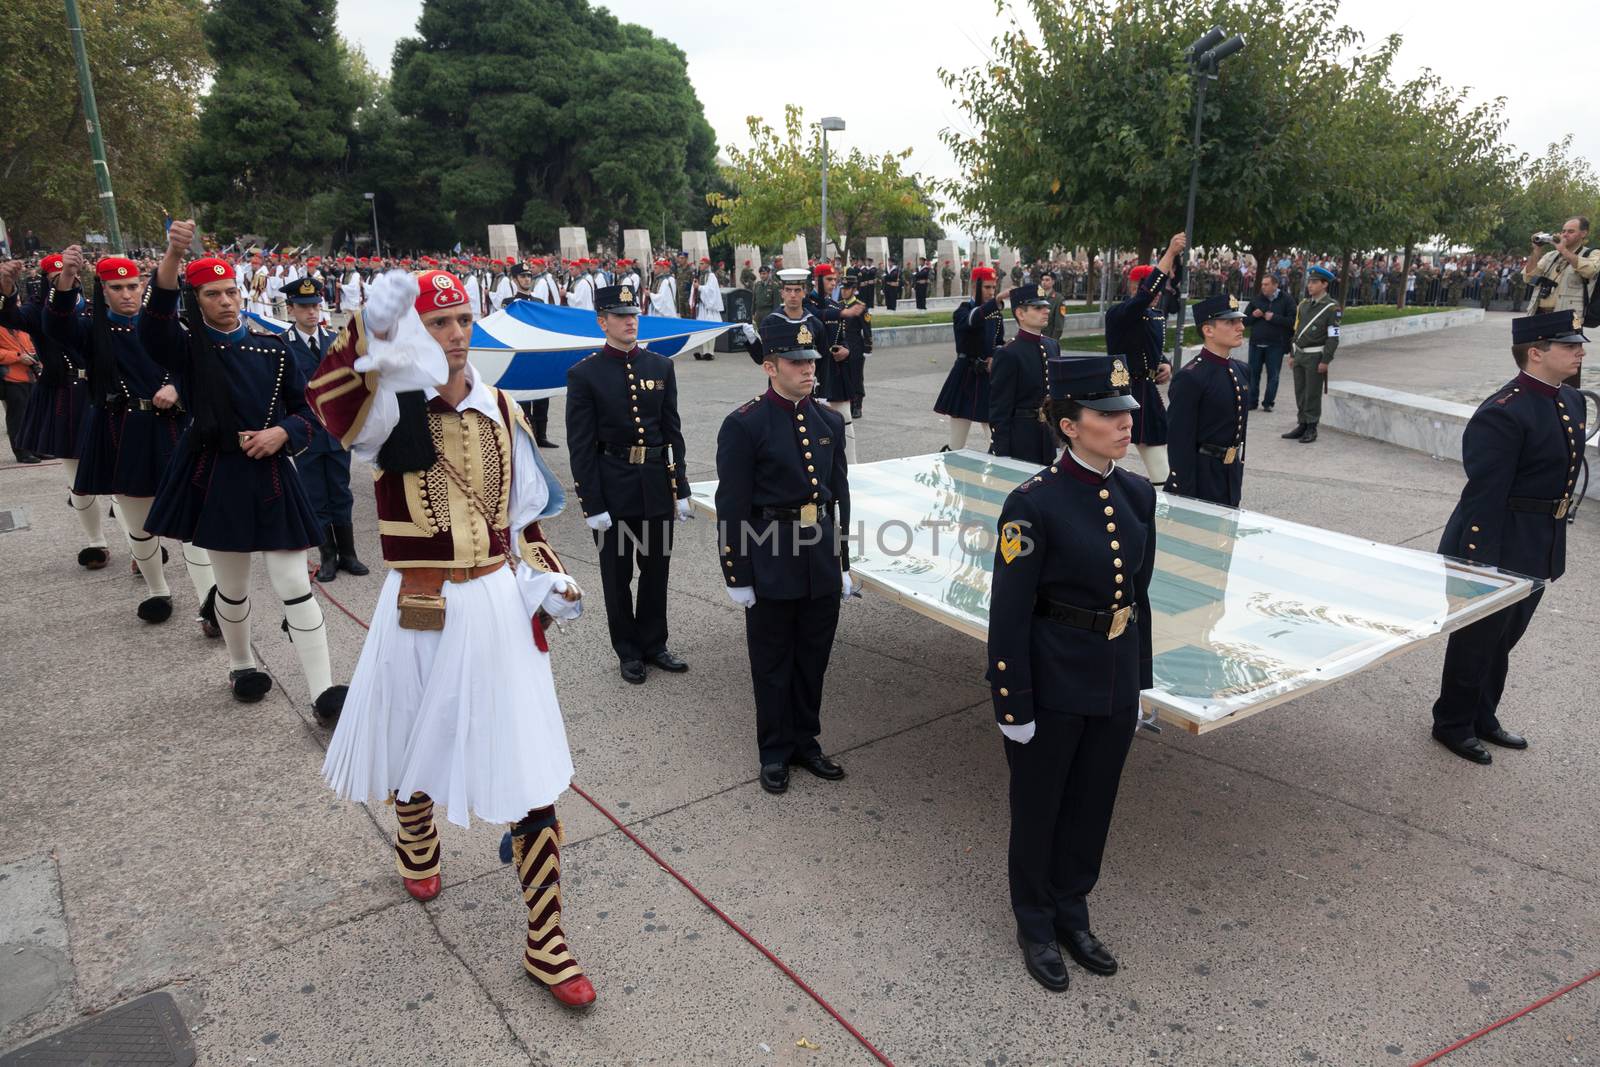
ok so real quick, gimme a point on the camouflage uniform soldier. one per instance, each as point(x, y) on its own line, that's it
point(767, 295)
point(947, 274)
point(747, 277)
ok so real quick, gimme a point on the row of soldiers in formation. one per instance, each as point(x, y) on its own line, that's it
point(1192, 444)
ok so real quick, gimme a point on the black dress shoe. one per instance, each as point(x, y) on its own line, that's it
point(1044, 962)
point(1505, 738)
point(668, 662)
point(546, 443)
point(1471, 749)
point(819, 765)
point(1266, 407)
point(633, 671)
point(1087, 950)
point(1310, 435)
point(775, 778)
point(1295, 434)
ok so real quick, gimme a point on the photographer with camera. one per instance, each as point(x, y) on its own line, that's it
point(1563, 278)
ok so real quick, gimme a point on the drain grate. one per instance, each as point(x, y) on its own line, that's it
point(148, 1031)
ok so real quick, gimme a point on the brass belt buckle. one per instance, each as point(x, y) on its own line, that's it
point(1563, 506)
point(1230, 455)
point(636, 454)
point(1119, 622)
point(808, 514)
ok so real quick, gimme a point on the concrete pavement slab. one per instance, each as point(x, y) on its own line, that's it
point(674, 984)
point(379, 989)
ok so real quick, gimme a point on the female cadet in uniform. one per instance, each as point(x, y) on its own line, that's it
point(1069, 653)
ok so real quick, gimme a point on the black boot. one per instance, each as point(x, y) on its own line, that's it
point(1310, 434)
point(541, 434)
point(344, 535)
point(328, 569)
point(1295, 434)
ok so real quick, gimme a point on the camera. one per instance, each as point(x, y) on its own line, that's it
point(1545, 238)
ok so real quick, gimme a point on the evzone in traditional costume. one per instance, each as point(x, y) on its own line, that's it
point(231, 487)
point(136, 416)
point(453, 701)
point(54, 420)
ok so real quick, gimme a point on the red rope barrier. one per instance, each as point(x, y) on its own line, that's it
point(1535, 1006)
point(784, 968)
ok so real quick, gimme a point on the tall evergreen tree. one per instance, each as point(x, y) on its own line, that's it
point(544, 113)
point(275, 129)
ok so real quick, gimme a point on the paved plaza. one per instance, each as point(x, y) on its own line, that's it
point(1319, 883)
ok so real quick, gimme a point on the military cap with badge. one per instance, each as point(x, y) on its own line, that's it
point(303, 291)
point(616, 300)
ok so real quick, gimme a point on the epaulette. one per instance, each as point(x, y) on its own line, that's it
point(254, 327)
point(1508, 394)
point(1029, 483)
point(748, 405)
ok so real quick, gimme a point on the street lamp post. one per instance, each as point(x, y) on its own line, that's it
point(1203, 56)
point(377, 247)
point(834, 123)
point(91, 114)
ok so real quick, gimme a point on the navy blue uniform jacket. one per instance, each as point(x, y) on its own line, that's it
point(775, 454)
point(611, 397)
point(1207, 404)
point(1524, 441)
point(1078, 534)
point(1017, 390)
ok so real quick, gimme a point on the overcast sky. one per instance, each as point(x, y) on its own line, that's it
point(752, 57)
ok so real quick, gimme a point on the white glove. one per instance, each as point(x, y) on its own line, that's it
point(845, 585)
point(541, 591)
point(684, 512)
point(599, 523)
point(742, 595)
point(1021, 734)
point(751, 334)
point(390, 296)
point(558, 606)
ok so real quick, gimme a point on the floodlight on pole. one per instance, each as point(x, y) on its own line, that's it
point(1203, 56)
point(835, 124)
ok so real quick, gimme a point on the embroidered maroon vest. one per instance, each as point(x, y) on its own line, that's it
point(426, 518)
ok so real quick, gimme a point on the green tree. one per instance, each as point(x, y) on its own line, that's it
point(1549, 190)
point(275, 127)
point(545, 114)
point(1081, 133)
point(776, 189)
point(148, 61)
point(1081, 128)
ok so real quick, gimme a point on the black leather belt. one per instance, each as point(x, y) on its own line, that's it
point(634, 453)
point(1110, 623)
point(1226, 453)
point(136, 403)
point(1556, 509)
point(807, 514)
